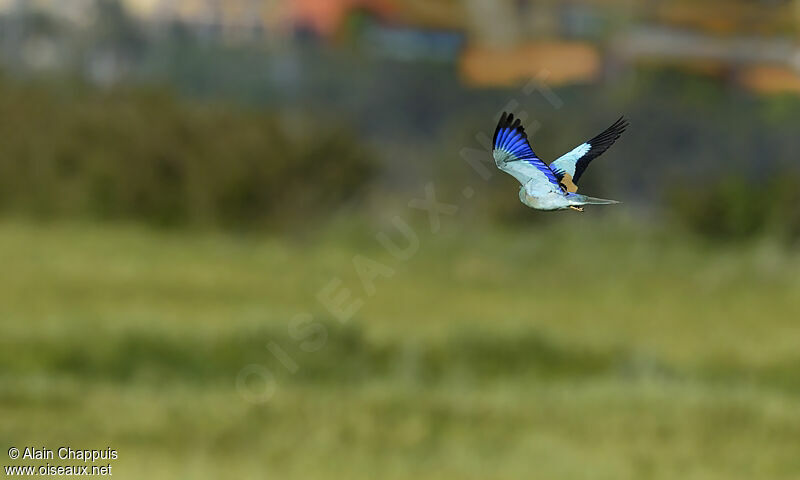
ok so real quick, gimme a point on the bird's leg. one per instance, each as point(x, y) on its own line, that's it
point(577, 209)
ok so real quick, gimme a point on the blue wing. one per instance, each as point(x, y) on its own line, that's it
point(514, 155)
point(569, 167)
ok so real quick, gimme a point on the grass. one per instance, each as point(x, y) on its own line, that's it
point(575, 350)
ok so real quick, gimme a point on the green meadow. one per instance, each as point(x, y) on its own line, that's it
point(576, 349)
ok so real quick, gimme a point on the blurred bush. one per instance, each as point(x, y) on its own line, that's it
point(734, 208)
point(144, 155)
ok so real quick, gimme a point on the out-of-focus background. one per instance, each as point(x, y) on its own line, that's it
point(221, 254)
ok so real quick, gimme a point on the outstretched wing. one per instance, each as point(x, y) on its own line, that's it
point(514, 155)
point(569, 167)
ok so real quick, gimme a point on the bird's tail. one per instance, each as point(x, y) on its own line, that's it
point(576, 199)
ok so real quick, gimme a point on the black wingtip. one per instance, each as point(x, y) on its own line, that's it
point(507, 120)
point(608, 136)
point(621, 124)
point(497, 128)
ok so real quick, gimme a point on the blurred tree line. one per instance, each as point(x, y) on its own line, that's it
point(717, 160)
point(144, 155)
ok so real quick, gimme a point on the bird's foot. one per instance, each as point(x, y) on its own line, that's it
point(577, 209)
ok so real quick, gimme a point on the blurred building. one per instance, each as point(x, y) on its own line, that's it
point(493, 42)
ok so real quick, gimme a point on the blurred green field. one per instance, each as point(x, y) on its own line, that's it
point(578, 349)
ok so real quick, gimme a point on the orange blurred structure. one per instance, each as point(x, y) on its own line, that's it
point(770, 79)
point(560, 62)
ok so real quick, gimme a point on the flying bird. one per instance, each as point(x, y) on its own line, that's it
point(550, 187)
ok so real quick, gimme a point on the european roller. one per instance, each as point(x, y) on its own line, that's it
point(550, 187)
